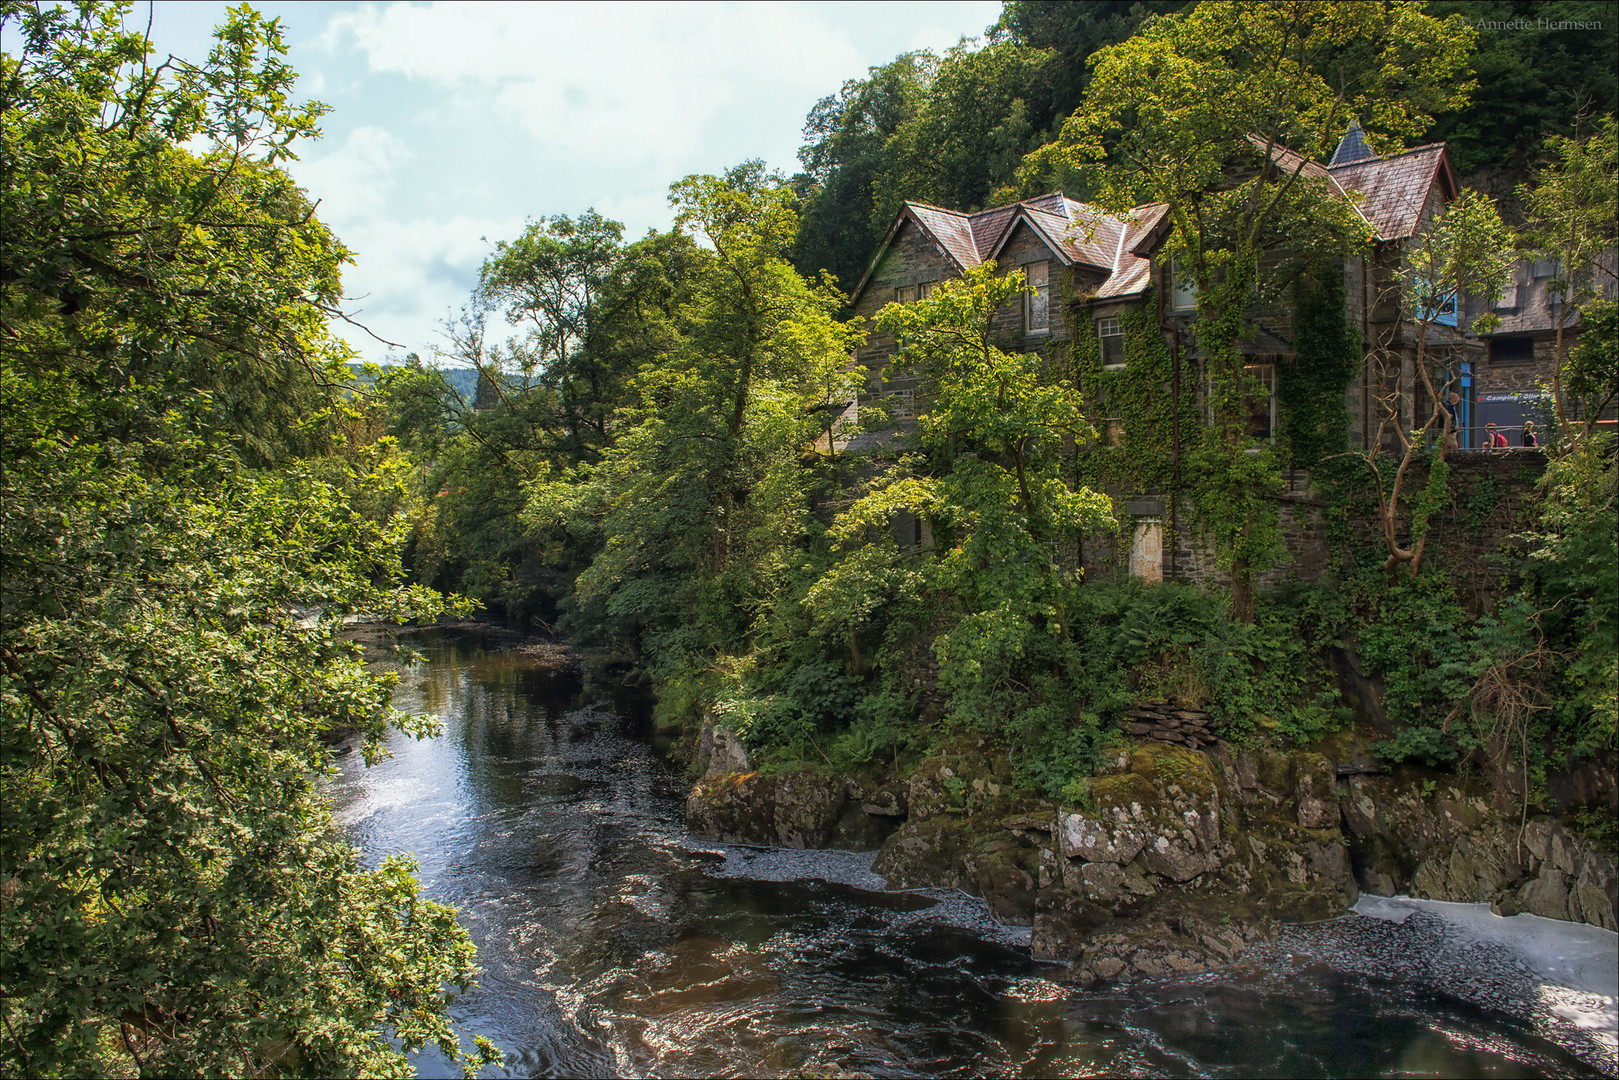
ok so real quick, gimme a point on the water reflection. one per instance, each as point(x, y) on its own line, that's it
point(612, 944)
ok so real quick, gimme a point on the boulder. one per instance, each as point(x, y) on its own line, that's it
point(720, 751)
point(1315, 789)
point(1116, 839)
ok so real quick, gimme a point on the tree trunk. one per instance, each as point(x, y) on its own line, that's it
point(1242, 591)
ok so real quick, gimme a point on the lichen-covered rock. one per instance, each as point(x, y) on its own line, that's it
point(1111, 838)
point(1177, 859)
point(720, 751)
point(797, 808)
point(1004, 873)
point(1596, 893)
point(1474, 868)
point(1438, 838)
point(1315, 788)
point(1102, 883)
point(933, 788)
point(925, 853)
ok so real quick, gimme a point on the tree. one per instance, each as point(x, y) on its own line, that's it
point(592, 311)
point(984, 110)
point(845, 139)
point(696, 507)
point(557, 282)
point(1219, 113)
point(1465, 252)
point(1074, 32)
point(176, 899)
point(1573, 211)
point(1540, 65)
point(992, 486)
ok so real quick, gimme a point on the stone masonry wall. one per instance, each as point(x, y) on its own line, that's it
point(1493, 496)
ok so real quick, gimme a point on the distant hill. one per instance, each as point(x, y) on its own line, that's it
point(464, 380)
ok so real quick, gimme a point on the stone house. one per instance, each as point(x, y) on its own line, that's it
point(1092, 273)
point(1520, 354)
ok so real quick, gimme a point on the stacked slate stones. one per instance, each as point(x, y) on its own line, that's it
point(1169, 721)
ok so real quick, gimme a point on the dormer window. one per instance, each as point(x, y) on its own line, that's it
point(1037, 301)
point(1111, 335)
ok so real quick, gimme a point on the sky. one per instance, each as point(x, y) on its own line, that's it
point(453, 124)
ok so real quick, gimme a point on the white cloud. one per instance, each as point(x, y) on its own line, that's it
point(352, 181)
point(635, 83)
point(409, 275)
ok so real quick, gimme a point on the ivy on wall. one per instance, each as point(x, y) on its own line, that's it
point(1138, 402)
point(1139, 398)
point(1310, 386)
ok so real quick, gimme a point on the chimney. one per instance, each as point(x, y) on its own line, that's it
point(1352, 147)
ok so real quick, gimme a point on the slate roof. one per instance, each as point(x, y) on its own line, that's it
point(1352, 147)
point(1076, 232)
point(1395, 189)
point(1527, 309)
point(1390, 193)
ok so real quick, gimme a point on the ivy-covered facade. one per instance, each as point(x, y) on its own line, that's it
point(1331, 350)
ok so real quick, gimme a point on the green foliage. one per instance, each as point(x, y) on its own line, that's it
point(693, 519)
point(1141, 399)
point(1170, 640)
point(1592, 379)
point(1188, 112)
point(1314, 419)
point(1072, 33)
point(177, 900)
point(1415, 635)
point(1598, 822)
point(992, 488)
point(1482, 503)
point(1536, 77)
point(1575, 573)
point(846, 137)
point(985, 108)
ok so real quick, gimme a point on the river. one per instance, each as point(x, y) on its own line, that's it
point(612, 943)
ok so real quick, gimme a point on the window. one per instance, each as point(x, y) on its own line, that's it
point(1182, 297)
point(925, 290)
point(1037, 301)
point(1554, 300)
point(1512, 350)
point(1445, 310)
point(1112, 338)
point(1507, 299)
point(1261, 400)
point(901, 404)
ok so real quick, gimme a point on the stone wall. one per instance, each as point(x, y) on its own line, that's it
point(1179, 857)
point(1493, 496)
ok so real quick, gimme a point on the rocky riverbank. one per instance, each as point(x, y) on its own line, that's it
point(1179, 857)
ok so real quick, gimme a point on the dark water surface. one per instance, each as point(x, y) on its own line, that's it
point(613, 944)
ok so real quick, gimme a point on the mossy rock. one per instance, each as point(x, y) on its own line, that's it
point(1166, 764)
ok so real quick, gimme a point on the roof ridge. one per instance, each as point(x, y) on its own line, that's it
point(1384, 160)
point(931, 206)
